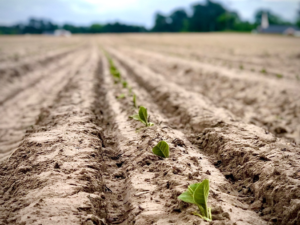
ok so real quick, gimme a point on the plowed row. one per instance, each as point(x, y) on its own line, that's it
point(70, 154)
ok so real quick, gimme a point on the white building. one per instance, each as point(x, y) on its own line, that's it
point(266, 28)
point(62, 33)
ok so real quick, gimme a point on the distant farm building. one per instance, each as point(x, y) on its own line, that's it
point(62, 32)
point(265, 28)
point(279, 29)
point(58, 33)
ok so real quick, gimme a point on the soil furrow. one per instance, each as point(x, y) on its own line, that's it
point(54, 177)
point(258, 164)
point(274, 55)
point(21, 83)
point(271, 104)
point(272, 68)
point(144, 187)
point(21, 113)
point(20, 51)
point(11, 73)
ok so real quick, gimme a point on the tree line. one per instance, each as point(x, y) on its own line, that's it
point(207, 17)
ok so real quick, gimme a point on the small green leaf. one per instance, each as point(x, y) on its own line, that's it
point(187, 197)
point(134, 101)
point(198, 194)
point(161, 149)
point(130, 90)
point(143, 115)
point(124, 83)
point(201, 196)
point(263, 71)
point(135, 117)
point(150, 124)
point(121, 96)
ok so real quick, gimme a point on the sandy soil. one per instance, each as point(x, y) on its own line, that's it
point(70, 154)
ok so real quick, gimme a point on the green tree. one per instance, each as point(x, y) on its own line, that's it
point(227, 21)
point(205, 16)
point(96, 28)
point(298, 17)
point(162, 23)
point(179, 20)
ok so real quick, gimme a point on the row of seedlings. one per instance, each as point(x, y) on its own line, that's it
point(196, 193)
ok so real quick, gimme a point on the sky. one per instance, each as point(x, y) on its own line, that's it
point(138, 12)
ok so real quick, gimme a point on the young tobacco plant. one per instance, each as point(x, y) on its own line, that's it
point(114, 71)
point(198, 194)
point(161, 149)
point(134, 101)
point(124, 83)
point(121, 96)
point(142, 116)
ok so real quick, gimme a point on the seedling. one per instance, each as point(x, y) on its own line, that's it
point(113, 70)
point(263, 71)
point(161, 149)
point(121, 96)
point(124, 83)
point(279, 76)
point(116, 74)
point(241, 67)
point(130, 90)
point(142, 116)
point(198, 194)
point(134, 101)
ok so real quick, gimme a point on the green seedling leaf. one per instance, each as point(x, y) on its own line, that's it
point(143, 114)
point(150, 124)
point(198, 194)
point(161, 149)
point(116, 74)
point(130, 90)
point(134, 101)
point(121, 96)
point(263, 71)
point(124, 83)
point(135, 117)
point(142, 117)
point(113, 70)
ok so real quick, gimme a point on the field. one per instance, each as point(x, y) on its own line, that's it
point(228, 105)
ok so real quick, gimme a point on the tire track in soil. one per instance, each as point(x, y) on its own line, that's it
point(54, 177)
point(269, 103)
point(146, 186)
point(259, 165)
point(21, 113)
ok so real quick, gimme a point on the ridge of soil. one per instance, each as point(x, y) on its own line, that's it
point(70, 153)
point(248, 156)
point(248, 95)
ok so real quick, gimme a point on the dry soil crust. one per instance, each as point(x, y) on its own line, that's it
point(85, 162)
point(269, 102)
point(54, 174)
point(25, 98)
point(266, 167)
